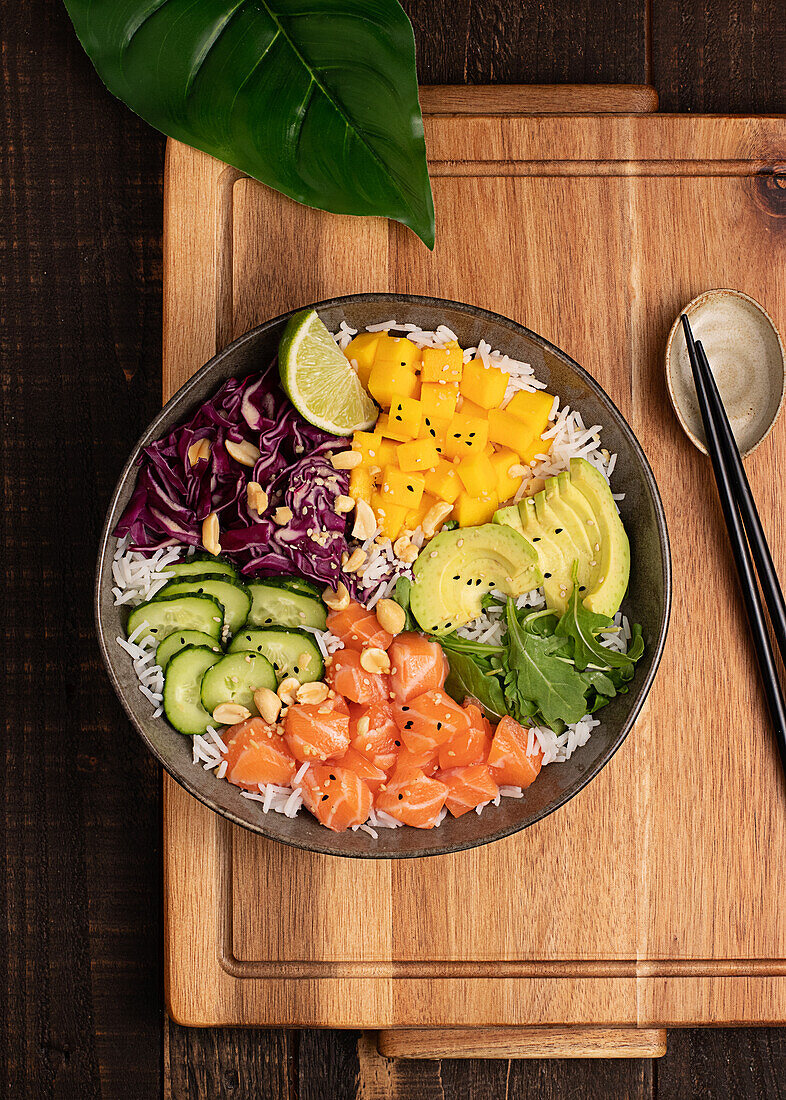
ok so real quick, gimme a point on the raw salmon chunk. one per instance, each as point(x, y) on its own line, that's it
point(427, 762)
point(468, 787)
point(413, 798)
point(336, 796)
point(316, 732)
point(428, 720)
point(416, 666)
point(381, 741)
point(346, 676)
point(508, 759)
point(470, 746)
point(358, 628)
point(371, 775)
point(256, 754)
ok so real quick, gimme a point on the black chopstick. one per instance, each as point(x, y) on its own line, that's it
point(768, 578)
point(740, 550)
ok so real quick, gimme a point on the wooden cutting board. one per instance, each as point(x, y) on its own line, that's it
point(655, 897)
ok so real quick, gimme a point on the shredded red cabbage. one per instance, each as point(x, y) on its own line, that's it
point(172, 497)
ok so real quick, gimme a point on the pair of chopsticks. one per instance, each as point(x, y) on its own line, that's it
point(747, 538)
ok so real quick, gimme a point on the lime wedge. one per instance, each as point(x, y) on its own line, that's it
point(319, 379)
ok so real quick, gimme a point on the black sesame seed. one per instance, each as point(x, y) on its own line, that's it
point(268, 620)
point(557, 530)
point(439, 726)
point(325, 797)
point(408, 725)
point(469, 581)
point(582, 587)
point(426, 421)
point(405, 708)
point(537, 538)
point(397, 744)
point(492, 584)
point(547, 575)
point(411, 488)
point(448, 625)
point(398, 417)
point(332, 777)
point(457, 577)
point(400, 797)
point(295, 668)
point(457, 435)
point(471, 435)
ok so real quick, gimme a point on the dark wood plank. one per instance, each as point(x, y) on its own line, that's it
point(81, 213)
point(244, 1064)
point(714, 1064)
point(726, 57)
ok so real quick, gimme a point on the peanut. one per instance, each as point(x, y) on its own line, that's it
point(365, 521)
point(287, 690)
point(346, 460)
point(390, 616)
point(435, 517)
point(268, 704)
point(282, 516)
point(256, 497)
point(210, 533)
point(200, 449)
point(344, 504)
point(229, 714)
point(356, 559)
point(338, 600)
point(375, 660)
point(312, 693)
point(245, 453)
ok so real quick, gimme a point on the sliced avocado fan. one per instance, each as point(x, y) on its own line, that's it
point(457, 568)
point(574, 519)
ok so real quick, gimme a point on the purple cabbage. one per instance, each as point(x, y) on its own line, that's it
point(172, 497)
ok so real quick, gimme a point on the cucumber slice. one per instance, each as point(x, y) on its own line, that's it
point(232, 595)
point(296, 584)
point(182, 689)
point(165, 614)
point(235, 678)
point(178, 640)
point(272, 605)
point(199, 567)
point(290, 652)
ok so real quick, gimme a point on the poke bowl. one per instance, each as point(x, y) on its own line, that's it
point(388, 577)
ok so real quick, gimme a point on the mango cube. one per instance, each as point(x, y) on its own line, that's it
point(389, 381)
point(469, 408)
point(404, 489)
point(416, 516)
point(535, 446)
point(470, 511)
point(484, 385)
point(386, 453)
point(507, 485)
point(466, 433)
point(361, 484)
point(439, 400)
point(397, 351)
point(443, 481)
point(532, 408)
point(368, 444)
point(436, 430)
point(442, 364)
point(420, 454)
point(390, 517)
point(509, 431)
point(361, 349)
point(406, 415)
point(477, 474)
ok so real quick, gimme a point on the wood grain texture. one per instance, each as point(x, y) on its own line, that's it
point(337, 940)
point(80, 252)
point(538, 99)
point(526, 1042)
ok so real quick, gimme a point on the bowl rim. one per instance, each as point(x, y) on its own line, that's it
point(691, 307)
point(153, 429)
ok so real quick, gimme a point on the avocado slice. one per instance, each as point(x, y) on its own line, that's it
point(606, 596)
point(575, 519)
point(457, 568)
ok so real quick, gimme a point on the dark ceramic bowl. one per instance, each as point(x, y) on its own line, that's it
point(648, 600)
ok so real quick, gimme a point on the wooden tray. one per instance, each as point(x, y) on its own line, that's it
point(655, 897)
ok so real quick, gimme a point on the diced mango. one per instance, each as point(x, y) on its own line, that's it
point(477, 474)
point(484, 385)
point(509, 431)
point(536, 446)
point(362, 348)
point(397, 351)
point(389, 381)
point(470, 511)
point(443, 481)
point(532, 408)
point(404, 489)
point(368, 444)
point(387, 453)
point(439, 399)
point(416, 516)
point(406, 415)
point(502, 461)
point(361, 484)
point(435, 430)
point(390, 517)
point(469, 408)
point(442, 364)
point(466, 433)
point(420, 454)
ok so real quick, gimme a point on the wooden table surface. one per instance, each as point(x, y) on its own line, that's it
point(80, 328)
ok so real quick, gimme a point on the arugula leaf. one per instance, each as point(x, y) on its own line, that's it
point(401, 596)
point(582, 625)
point(467, 679)
point(537, 678)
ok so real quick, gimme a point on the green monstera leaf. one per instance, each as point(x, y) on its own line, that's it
point(316, 99)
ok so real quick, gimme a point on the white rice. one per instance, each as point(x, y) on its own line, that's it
point(138, 577)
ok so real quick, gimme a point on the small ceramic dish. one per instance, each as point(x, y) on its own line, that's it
point(745, 352)
point(648, 600)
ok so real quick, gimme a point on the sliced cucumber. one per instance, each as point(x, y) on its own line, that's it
point(165, 614)
point(232, 595)
point(296, 584)
point(199, 567)
point(290, 652)
point(272, 605)
point(178, 640)
point(235, 678)
point(183, 689)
